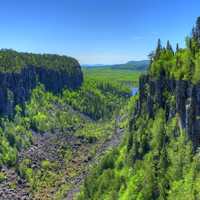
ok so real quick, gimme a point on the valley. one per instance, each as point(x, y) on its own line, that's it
point(100, 133)
point(127, 77)
point(54, 138)
point(160, 156)
point(100, 100)
point(64, 175)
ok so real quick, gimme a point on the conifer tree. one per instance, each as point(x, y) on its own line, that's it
point(177, 47)
point(158, 49)
point(196, 31)
point(198, 26)
point(169, 47)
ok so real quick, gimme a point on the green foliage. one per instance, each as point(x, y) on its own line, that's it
point(117, 75)
point(87, 113)
point(102, 178)
point(14, 135)
point(94, 131)
point(159, 164)
point(25, 170)
point(2, 177)
point(46, 165)
point(197, 68)
point(108, 162)
point(13, 61)
point(184, 64)
point(47, 112)
point(97, 99)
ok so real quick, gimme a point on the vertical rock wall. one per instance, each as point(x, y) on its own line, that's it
point(176, 97)
point(15, 88)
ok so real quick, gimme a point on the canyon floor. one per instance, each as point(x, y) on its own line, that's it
point(70, 174)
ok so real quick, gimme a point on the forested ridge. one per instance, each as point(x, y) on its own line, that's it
point(181, 63)
point(20, 73)
point(159, 157)
point(13, 61)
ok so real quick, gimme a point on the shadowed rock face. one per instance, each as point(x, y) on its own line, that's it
point(15, 88)
point(55, 81)
point(185, 103)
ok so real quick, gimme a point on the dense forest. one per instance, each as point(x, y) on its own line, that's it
point(20, 73)
point(159, 157)
point(181, 64)
point(13, 61)
point(39, 142)
point(52, 123)
point(46, 112)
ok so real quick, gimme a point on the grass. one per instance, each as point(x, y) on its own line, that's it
point(128, 77)
point(2, 177)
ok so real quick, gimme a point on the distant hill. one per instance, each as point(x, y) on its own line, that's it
point(94, 65)
point(131, 65)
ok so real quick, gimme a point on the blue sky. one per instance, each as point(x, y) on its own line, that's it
point(95, 31)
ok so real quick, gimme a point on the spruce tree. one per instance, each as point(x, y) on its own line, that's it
point(158, 49)
point(196, 31)
point(177, 47)
point(169, 46)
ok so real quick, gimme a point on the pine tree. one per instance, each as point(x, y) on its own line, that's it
point(198, 26)
point(177, 47)
point(169, 47)
point(158, 49)
point(196, 31)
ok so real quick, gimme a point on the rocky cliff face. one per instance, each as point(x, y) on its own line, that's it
point(15, 88)
point(180, 98)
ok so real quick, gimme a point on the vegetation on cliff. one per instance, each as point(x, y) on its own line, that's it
point(46, 112)
point(13, 61)
point(182, 64)
point(158, 159)
point(73, 123)
point(97, 99)
point(154, 162)
point(20, 73)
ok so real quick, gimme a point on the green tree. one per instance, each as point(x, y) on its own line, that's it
point(169, 47)
point(158, 49)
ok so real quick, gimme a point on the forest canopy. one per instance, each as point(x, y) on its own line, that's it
point(179, 64)
point(13, 61)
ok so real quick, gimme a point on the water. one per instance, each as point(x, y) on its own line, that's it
point(134, 91)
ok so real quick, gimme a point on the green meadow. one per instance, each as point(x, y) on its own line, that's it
point(128, 77)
